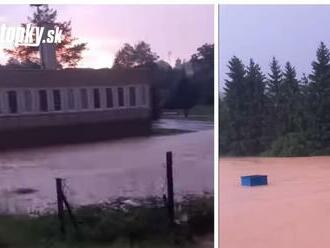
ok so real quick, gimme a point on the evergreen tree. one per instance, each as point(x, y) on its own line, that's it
point(274, 104)
point(304, 91)
point(291, 98)
point(255, 115)
point(287, 117)
point(223, 123)
point(231, 133)
point(319, 99)
point(244, 109)
point(274, 83)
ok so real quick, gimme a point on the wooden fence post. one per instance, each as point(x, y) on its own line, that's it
point(170, 190)
point(60, 207)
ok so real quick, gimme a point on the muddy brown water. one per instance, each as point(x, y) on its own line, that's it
point(292, 211)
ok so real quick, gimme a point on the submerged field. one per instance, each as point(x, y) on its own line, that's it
point(103, 172)
point(292, 211)
point(93, 173)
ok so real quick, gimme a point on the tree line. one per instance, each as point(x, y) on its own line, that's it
point(277, 114)
point(183, 86)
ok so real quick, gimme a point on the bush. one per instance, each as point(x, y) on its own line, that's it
point(290, 145)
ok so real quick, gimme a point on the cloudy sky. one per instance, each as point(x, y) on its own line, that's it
point(172, 30)
point(289, 32)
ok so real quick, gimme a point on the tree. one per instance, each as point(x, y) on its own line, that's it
point(178, 64)
point(125, 57)
point(242, 131)
point(143, 55)
point(138, 56)
point(27, 64)
point(68, 52)
point(274, 83)
point(319, 98)
point(274, 103)
point(203, 67)
point(290, 118)
point(223, 127)
point(291, 99)
point(204, 55)
point(183, 96)
point(231, 133)
point(255, 109)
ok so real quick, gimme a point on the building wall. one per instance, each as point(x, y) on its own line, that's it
point(33, 113)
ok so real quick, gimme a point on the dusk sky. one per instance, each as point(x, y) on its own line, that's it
point(288, 32)
point(172, 30)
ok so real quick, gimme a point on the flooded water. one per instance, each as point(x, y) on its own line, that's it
point(99, 171)
point(183, 124)
point(292, 211)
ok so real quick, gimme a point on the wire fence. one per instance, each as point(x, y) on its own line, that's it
point(84, 189)
point(98, 207)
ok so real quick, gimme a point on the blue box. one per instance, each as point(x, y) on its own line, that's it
point(254, 180)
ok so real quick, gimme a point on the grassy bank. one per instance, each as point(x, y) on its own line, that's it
point(119, 223)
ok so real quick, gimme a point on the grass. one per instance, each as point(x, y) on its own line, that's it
point(198, 112)
point(119, 223)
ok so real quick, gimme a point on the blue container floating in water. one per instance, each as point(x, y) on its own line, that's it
point(254, 180)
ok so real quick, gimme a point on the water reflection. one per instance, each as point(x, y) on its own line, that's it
point(99, 171)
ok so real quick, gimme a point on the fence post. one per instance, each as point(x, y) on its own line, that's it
point(60, 207)
point(170, 190)
point(71, 215)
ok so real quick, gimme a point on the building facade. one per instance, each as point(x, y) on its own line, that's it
point(79, 99)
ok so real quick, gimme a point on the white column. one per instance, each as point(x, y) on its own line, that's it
point(103, 98)
point(50, 100)
point(126, 96)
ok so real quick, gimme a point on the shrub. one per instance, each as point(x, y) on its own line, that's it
point(292, 144)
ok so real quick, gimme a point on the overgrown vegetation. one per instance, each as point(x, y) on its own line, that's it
point(120, 223)
point(278, 114)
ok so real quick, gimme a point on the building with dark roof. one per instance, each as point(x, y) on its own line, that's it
point(73, 104)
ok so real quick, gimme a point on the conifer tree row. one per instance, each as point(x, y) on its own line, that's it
point(276, 114)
